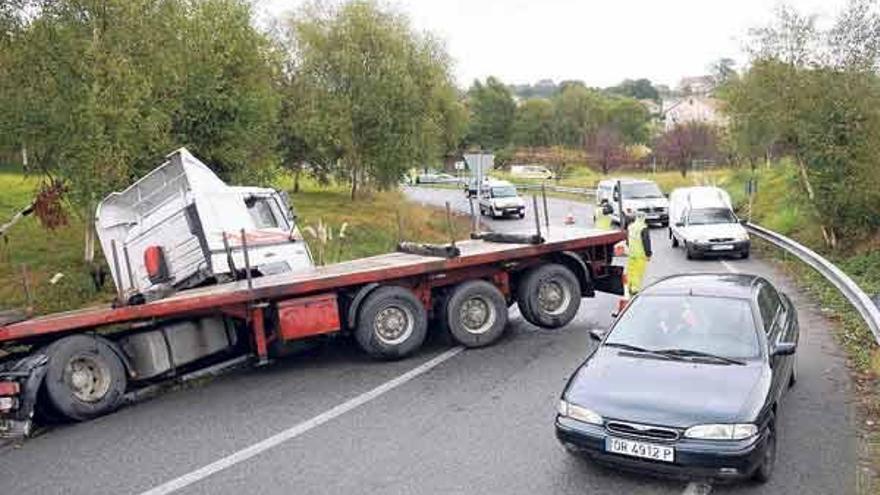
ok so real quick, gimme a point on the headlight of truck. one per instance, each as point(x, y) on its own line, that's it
point(721, 431)
point(578, 413)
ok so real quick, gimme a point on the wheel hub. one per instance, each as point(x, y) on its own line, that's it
point(88, 378)
point(393, 325)
point(553, 297)
point(476, 315)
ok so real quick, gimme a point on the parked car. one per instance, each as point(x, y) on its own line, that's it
point(436, 178)
point(639, 196)
point(705, 224)
point(688, 381)
point(499, 198)
point(531, 172)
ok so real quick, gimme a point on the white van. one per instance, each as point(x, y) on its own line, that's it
point(531, 172)
point(639, 196)
point(498, 198)
point(703, 222)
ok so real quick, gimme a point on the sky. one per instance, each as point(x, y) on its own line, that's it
point(598, 42)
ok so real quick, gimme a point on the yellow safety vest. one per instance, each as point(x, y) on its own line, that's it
point(603, 221)
point(634, 231)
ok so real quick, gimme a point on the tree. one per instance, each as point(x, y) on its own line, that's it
point(681, 145)
point(629, 118)
point(492, 113)
point(534, 126)
point(607, 148)
point(578, 112)
point(378, 96)
point(98, 91)
point(639, 89)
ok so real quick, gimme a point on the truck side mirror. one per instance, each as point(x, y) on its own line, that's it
point(607, 209)
point(743, 221)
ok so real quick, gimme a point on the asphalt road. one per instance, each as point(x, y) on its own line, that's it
point(444, 421)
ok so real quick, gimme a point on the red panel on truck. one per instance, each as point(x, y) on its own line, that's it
point(308, 316)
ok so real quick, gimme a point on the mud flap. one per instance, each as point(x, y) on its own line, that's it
point(611, 281)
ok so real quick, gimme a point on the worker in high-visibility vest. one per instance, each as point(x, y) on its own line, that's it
point(638, 253)
point(602, 217)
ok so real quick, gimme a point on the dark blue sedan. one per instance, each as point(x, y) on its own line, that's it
point(688, 380)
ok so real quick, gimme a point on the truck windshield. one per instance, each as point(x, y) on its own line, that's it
point(641, 190)
point(711, 216)
point(504, 192)
point(262, 214)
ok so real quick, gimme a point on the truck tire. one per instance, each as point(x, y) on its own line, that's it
point(549, 296)
point(392, 323)
point(85, 377)
point(475, 314)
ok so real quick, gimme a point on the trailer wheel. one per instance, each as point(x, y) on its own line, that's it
point(392, 323)
point(85, 378)
point(549, 296)
point(475, 314)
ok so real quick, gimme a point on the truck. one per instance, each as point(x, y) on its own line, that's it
point(174, 316)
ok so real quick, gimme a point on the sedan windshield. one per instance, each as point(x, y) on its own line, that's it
point(711, 216)
point(504, 192)
point(641, 190)
point(692, 325)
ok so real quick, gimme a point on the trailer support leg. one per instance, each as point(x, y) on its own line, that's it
point(258, 326)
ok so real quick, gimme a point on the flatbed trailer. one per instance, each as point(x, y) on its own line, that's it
point(79, 364)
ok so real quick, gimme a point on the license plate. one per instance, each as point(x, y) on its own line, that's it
point(644, 450)
point(722, 247)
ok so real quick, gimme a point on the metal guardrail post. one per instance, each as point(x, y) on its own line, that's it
point(867, 309)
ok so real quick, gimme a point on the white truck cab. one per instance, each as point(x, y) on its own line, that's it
point(636, 196)
point(704, 223)
point(498, 198)
point(180, 226)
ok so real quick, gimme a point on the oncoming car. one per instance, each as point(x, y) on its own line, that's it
point(500, 199)
point(688, 380)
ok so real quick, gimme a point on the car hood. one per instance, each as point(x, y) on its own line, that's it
point(630, 387)
point(714, 231)
point(646, 203)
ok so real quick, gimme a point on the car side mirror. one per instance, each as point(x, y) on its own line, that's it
point(607, 209)
point(616, 196)
point(743, 221)
point(784, 349)
point(679, 224)
point(598, 334)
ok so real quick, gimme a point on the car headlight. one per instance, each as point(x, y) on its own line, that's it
point(722, 431)
point(578, 413)
point(743, 236)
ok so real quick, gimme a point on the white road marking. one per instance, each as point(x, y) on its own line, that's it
point(727, 266)
point(697, 488)
point(298, 429)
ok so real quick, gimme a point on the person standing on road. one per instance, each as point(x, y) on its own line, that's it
point(639, 253)
point(602, 217)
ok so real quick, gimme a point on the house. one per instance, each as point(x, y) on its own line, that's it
point(694, 108)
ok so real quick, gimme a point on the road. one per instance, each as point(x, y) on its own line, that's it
point(445, 421)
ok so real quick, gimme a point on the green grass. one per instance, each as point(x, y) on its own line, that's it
point(372, 229)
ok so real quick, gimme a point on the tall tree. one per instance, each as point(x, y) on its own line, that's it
point(681, 145)
point(579, 111)
point(534, 124)
point(492, 113)
point(640, 89)
point(379, 97)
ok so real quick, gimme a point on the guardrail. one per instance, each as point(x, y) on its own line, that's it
point(526, 187)
point(853, 293)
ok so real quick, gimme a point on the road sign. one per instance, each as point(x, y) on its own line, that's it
point(480, 163)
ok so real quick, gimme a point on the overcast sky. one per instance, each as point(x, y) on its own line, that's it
point(599, 42)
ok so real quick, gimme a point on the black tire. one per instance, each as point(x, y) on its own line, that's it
point(522, 215)
point(768, 463)
point(85, 377)
point(745, 254)
point(688, 253)
point(480, 295)
point(674, 240)
point(793, 378)
point(401, 304)
point(566, 287)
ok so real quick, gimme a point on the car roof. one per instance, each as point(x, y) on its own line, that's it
point(733, 285)
point(497, 183)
